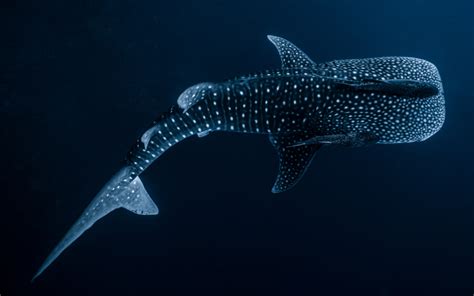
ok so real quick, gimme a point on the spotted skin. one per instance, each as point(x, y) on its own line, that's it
point(301, 107)
point(291, 56)
point(294, 160)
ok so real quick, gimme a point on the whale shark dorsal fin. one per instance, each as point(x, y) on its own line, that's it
point(294, 160)
point(291, 56)
point(195, 93)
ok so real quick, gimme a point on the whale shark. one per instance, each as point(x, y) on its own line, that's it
point(301, 106)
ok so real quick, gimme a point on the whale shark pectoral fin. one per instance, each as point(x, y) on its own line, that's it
point(291, 56)
point(113, 195)
point(351, 139)
point(294, 160)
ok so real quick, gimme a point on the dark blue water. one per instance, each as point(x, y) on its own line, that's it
point(79, 81)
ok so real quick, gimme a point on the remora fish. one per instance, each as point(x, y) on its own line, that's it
point(301, 107)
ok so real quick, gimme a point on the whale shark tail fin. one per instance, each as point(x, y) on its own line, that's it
point(122, 191)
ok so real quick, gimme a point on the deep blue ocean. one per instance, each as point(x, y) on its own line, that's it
point(81, 80)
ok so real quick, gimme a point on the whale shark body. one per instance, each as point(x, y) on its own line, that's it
point(301, 107)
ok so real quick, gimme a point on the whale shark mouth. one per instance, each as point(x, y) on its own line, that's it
point(394, 87)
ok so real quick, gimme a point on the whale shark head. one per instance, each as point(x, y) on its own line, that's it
point(398, 99)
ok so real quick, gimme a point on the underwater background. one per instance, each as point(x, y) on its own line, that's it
point(81, 80)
